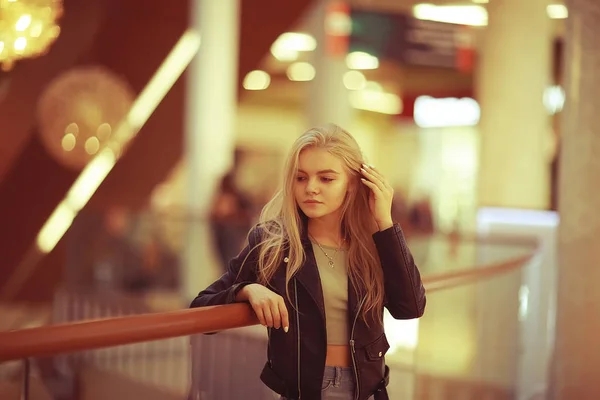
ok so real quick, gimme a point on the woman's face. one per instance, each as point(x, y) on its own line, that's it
point(321, 183)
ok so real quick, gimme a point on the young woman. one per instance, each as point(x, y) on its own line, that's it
point(320, 266)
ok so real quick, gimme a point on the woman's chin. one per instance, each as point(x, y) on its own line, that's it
point(312, 213)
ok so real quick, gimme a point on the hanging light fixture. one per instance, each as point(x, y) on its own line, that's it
point(27, 29)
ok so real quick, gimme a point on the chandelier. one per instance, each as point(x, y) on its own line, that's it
point(27, 29)
point(78, 110)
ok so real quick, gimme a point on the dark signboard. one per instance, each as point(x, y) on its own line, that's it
point(410, 41)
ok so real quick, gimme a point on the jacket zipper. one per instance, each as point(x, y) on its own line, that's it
point(298, 334)
point(355, 368)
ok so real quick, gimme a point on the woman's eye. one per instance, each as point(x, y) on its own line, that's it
point(300, 178)
point(324, 179)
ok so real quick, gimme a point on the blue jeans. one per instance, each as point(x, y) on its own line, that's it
point(338, 384)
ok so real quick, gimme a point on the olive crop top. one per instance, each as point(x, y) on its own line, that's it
point(334, 281)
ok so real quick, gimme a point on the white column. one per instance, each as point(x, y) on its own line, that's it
point(211, 109)
point(577, 351)
point(514, 172)
point(514, 69)
point(328, 100)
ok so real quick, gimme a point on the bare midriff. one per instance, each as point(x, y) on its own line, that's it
point(338, 356)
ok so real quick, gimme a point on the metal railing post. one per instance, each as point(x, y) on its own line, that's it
point(25, 382)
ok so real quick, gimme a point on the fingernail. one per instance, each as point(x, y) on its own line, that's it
point(286, 329)
point(365, 165)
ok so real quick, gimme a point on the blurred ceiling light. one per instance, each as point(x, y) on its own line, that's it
point(301, 72)
point(283, 54)
point(85, 185)
point(19, 44)
point(354, 80)
point(464, 15)
point(557, 11)
point(72, 128)
point(77, 197)
point(104, 131)
point(59, 221)
point(361, 60)
point(257, 80)
point(297, 41)
point(432, 112)
point(159, 85)
point(289, 44)
point(29, 29)
point(481, 1)
point(554, 99)
point(68, 142)
point(376, 101)
point(373, 86)
point(23, 22)
point(92, 145)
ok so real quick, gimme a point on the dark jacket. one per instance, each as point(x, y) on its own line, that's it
point(296, 360)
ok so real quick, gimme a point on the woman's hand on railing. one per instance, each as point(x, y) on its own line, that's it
point(269, 307)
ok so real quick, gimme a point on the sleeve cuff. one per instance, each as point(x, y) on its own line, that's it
point(235, 289)
point(390, 232)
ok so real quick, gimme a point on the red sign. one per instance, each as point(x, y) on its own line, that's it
point(338, 26)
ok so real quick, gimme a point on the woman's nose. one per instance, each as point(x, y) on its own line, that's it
point(311, 186)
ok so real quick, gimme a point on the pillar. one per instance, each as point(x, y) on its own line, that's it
point(328, 100)
point(577, 351)
point(211, 108)
point(514, 70)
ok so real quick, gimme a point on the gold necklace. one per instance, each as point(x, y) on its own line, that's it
point(331, 259)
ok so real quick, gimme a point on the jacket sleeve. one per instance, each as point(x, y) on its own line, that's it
point(240, 272)
point(404, 291)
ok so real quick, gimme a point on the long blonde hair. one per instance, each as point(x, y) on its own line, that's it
point(282, 223)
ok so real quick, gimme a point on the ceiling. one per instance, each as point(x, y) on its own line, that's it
point(393, 77)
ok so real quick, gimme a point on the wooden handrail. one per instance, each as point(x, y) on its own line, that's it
point(494, 269)
point(446, 281)
point(87, 335)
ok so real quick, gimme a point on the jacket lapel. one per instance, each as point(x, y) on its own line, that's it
point(309, 277)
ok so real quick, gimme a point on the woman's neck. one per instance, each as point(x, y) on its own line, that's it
point(326, 230)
